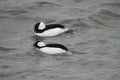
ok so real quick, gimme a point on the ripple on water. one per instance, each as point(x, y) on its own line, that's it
point(27, 11)
point(107, 14)
point(6, 49)
point(42, 5)
point(93, 39)
point(103, 19)
point(112, 4)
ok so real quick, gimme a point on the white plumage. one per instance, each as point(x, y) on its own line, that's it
point(52, 51)
point(51, 48)
point(51, 30)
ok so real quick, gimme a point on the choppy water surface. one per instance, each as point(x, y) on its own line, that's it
point(94, 40)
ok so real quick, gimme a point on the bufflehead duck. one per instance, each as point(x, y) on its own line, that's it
point(50, 30)
point(53, 49)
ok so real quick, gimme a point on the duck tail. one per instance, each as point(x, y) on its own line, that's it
point(69, 53)
point(66, 29)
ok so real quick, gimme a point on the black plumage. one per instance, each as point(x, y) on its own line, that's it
point(36, 45)
point(57, 46)
point(50, 45)
point(50, 26)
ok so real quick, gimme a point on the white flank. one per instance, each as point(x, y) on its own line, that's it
point(49, 50)
point(52, 32)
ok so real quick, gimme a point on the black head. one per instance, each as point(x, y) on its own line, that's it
point(35, 45)
point(39, 44)
point(39, 27)
point(36, 26)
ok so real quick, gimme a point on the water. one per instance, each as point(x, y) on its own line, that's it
point(94, 40)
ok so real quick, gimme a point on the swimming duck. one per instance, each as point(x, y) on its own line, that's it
point(42, 30)
point(51, 49)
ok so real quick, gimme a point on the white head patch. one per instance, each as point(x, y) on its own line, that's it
point(41, 26)
point(41, 44)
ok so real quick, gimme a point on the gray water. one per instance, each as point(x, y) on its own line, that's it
point(94, 40)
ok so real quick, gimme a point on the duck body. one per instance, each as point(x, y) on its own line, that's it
point(51, 49)
point(51, 30)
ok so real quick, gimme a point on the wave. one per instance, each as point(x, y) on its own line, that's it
point(6, 48)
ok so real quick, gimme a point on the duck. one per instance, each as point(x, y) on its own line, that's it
point(51, 30)
point(52, 48)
